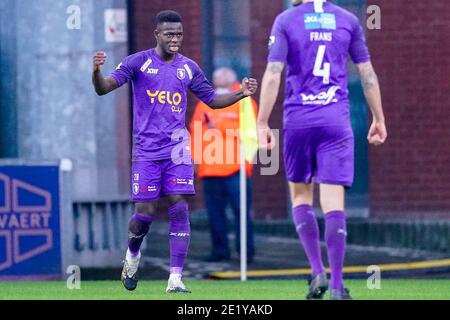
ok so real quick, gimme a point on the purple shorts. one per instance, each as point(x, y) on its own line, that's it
point(151, 180)
point(323, 153)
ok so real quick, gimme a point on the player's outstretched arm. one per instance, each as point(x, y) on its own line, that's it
point(269, 92)
point(102, 85)
point(377, 132)
point(249, 87)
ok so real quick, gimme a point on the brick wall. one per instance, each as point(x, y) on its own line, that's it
point(270, 192)
point(410, 175)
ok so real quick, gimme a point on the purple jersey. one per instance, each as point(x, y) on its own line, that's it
point(160, 101)
point(314, 42)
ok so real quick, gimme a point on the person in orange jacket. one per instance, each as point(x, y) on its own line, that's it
point(218, 167)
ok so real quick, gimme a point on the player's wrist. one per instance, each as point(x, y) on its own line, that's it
point(379, 120)
point(242, 94)
point(262, 123)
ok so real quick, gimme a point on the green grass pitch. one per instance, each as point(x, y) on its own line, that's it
point(221, 290)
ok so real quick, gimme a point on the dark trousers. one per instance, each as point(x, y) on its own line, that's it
point(218, 192)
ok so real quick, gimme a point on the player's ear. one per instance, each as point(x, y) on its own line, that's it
point(156, 33)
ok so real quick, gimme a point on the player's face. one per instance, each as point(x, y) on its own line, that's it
point(169, 36)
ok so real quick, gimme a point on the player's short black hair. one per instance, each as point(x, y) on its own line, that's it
point(167, 16)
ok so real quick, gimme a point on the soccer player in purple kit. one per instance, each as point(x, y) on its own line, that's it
point(160, 79)
point(313, 40)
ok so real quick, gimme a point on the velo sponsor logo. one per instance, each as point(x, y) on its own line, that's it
point(164, 97)
point(167, 97)
point(322, 98)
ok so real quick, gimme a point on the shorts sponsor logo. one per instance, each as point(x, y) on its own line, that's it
point(182, 181)
point(151, 188)
point(322, 98)
point(320, 21)
point(135, 188)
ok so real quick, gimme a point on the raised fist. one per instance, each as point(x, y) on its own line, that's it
point(99, 60)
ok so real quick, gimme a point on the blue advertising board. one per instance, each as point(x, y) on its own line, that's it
point(30, 245)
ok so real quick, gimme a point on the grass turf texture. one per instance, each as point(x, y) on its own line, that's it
point(221, 290)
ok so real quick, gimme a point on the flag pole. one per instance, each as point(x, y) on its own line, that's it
point(243, 213)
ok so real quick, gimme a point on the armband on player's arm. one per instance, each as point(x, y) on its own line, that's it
point(269, 90)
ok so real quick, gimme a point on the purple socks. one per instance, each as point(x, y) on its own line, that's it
point(179, 236)
point(137, 229)
point(335, 238)
point(308, 232)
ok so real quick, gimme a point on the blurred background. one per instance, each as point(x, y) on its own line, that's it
point(65, 152)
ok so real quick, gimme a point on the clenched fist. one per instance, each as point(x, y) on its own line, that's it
point(99, 60)
point(249, 86)
point(377, 133)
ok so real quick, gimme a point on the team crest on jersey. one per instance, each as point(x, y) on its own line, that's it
point(136, 188)
point(181, 74)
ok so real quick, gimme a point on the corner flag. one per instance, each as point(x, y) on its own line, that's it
point(247, 129)
point(248, 146)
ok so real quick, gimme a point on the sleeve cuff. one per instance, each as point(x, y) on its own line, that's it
point(116, 79)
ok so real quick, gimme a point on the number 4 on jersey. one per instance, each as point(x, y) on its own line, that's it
point(318, 70)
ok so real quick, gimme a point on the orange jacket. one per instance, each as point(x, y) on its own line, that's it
point(223, 155)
